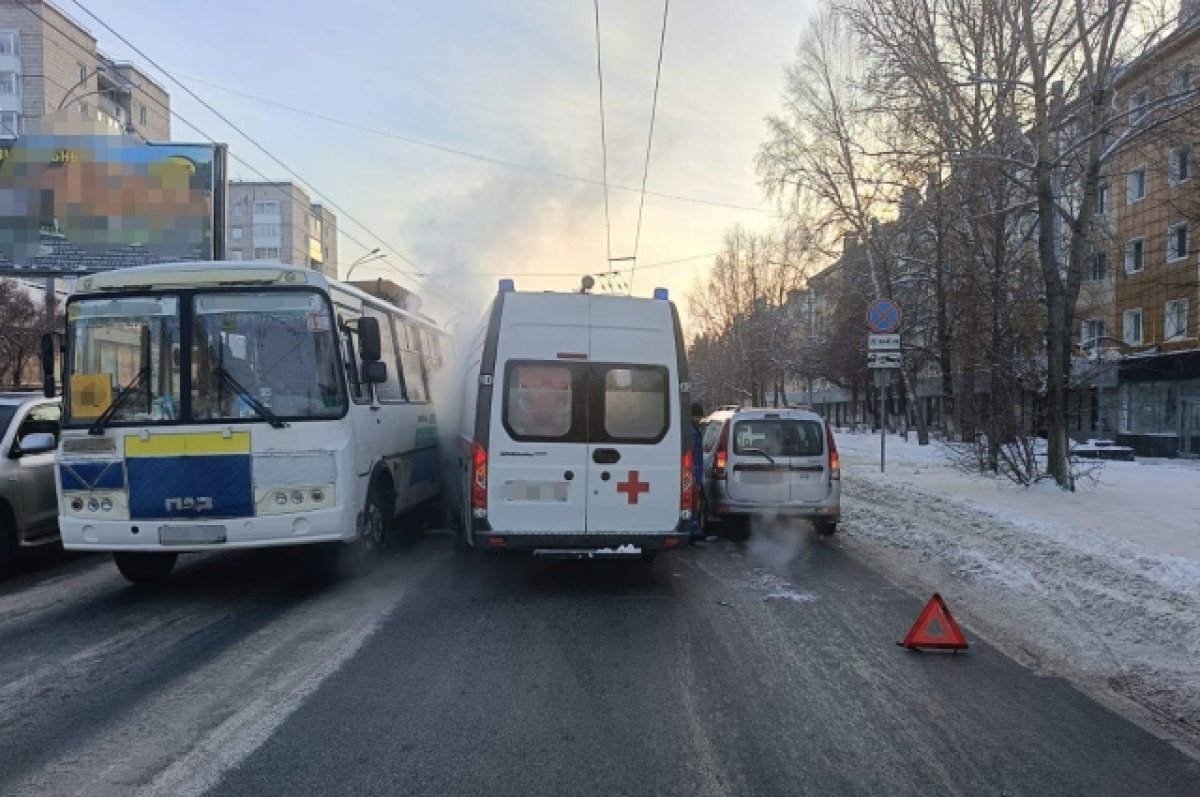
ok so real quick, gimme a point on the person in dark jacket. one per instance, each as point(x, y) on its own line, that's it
point(697, 470)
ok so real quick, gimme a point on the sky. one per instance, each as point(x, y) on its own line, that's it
point(513, 80)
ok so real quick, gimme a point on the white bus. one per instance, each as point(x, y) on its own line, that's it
point(230, 405)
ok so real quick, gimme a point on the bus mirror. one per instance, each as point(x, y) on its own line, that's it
point(374, 372)
point(368, 339)
point(48, 386)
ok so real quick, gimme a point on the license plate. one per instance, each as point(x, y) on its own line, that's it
point(553, 492)
point(191, 535)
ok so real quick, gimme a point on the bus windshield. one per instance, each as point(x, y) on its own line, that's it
point(119, 342)
point(276, 347)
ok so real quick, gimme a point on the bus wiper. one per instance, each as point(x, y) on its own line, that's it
point(758, 451)
point(98, 425)
point(248, 397)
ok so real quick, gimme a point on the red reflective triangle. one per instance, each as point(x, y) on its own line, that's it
point(935, 628)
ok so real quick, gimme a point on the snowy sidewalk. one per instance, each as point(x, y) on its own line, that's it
point(1102, 585)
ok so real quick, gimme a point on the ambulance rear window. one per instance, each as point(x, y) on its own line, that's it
point(635, 402)
point(540, 400)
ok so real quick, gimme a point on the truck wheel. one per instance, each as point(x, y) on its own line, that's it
point(145, 568)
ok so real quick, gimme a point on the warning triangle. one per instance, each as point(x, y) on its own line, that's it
point(935, 628)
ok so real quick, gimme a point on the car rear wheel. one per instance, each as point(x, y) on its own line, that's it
point(8, 544)
point(825, 527)
point(145, 568)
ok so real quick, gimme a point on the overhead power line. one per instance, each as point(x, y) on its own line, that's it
point(467, 153)
point(603, 140)
point(342, 211)
point(662, 264)
point(637, 236)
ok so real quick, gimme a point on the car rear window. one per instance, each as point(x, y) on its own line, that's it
point(779, 437)
point(635, 402)
point(6, 416)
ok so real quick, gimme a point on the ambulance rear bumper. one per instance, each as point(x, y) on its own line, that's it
point(531, 541)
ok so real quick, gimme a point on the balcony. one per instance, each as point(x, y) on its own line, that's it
point(115, 112)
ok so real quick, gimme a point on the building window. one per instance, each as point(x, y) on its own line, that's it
point(10, 124)
point(1175, 321)
point(266, 208)
point(81, 74)
point(1180, 164)
point(1135, 183)
point(1132, 331)
point(10, 42)
point(1092, 331)
point(1102, 199)
point(1184, 79)
point(1135, 251)
point(266, 230)
point(8, 82)
point(1137, 106)
point(1099, 267)
point(236, 233)
point(266, 253)
point(1177, 242)
point(237, 211)
point(142, 113)
point(235, 254)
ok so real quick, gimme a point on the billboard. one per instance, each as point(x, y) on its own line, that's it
point(93, 202)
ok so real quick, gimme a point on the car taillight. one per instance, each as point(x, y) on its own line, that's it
point(479, 469)
point(835, 462)
point(687, 485)
point(721, 460)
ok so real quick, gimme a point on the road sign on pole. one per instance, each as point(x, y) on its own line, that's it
point(883, 342)
point(885, 359)
point(883, 316)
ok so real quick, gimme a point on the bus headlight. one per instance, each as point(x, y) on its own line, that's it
point(317, 495)
point(106, 504)
point(297, 497)
point(281, 499)
point(93, 505)
point(76, 504)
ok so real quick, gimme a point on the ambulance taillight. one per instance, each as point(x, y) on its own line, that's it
point(479, 476)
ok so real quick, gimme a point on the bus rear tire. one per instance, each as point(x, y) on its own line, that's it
point(145, 568)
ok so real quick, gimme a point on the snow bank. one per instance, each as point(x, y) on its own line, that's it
point(1102, 585)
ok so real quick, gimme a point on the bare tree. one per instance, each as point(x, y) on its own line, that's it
point(20, 331)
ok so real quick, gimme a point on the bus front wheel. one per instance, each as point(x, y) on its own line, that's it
point(145, 568)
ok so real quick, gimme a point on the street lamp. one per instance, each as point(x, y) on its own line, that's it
point(369, 257)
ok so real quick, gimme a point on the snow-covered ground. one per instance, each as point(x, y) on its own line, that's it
point(1101, 585)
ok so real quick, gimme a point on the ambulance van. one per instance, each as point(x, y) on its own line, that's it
point(575, 436)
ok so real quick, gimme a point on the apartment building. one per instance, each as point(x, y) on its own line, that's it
point(277, 222)
point(1143, 293)
point(51, 69)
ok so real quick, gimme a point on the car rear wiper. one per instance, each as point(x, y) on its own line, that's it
point(758, 451)
point(97, 427)
point(249, 398)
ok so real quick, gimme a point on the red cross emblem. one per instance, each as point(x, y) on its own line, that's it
point(633, 488)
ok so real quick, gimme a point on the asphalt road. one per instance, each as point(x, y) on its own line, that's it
point(762, 667)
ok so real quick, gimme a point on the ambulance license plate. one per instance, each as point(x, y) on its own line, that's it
point(553, 492)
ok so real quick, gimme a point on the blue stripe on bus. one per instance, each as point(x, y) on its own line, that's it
point(166, 487)
point(92, 475)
